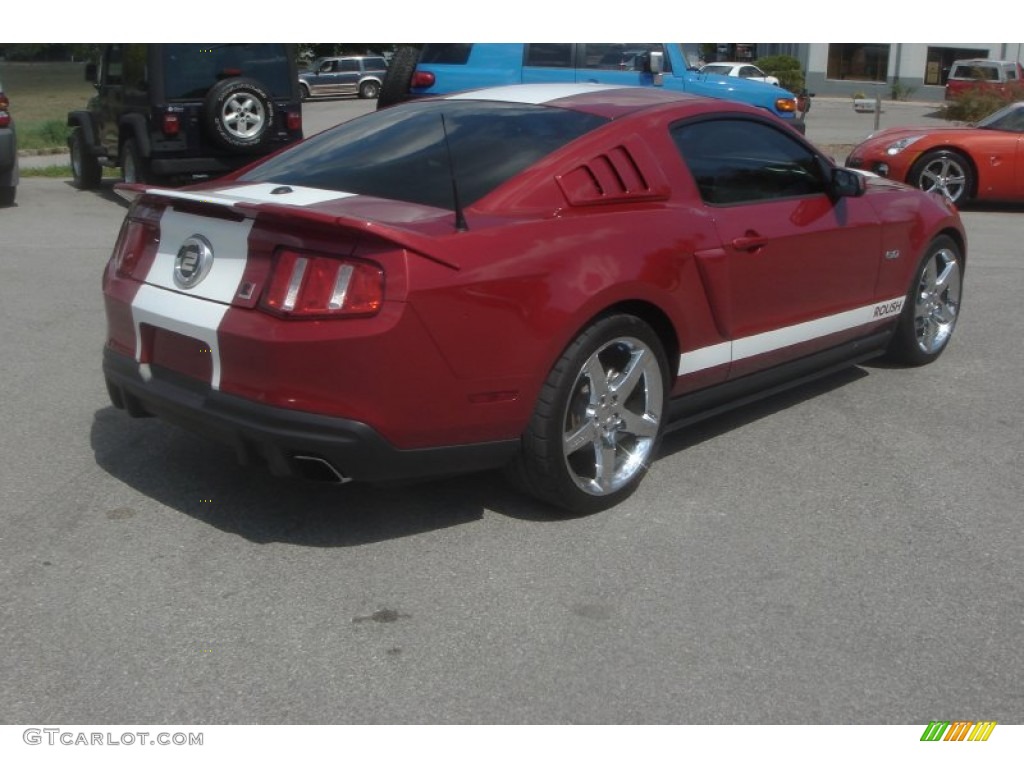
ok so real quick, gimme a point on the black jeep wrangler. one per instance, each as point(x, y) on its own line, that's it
point(176, 111)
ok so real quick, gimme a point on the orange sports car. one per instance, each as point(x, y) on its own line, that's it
point(980, 162)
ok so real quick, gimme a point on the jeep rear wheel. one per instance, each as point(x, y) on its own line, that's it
point(239, 115)
point(134, 167)
point(85, 170)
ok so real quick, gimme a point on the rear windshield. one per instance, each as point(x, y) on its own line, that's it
point(190, 69)
point(400, 153)
point(976, 72)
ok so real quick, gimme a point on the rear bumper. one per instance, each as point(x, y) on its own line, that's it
point(291, 443)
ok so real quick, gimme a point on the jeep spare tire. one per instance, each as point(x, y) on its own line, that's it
point(238, 114)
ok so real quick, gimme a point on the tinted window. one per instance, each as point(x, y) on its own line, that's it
point(348, 65)
point(400, 153)
point(743, 161)
point(1009, 118)
point(190, 69)
point(548, 55)
point(627, 57)
point(445, 53)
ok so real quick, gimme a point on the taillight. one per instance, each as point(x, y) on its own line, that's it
point(294, 121)
point(129, 248)
point(5, 116)
point(421, 79)
point(171, 124)
point(307, 285)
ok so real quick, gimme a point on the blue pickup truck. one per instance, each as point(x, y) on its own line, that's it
point(448, 67)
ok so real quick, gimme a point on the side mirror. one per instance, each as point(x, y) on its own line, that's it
point(90, 73)
point(847, 183)
point(656, 62)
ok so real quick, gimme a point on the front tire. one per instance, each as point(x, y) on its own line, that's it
point(945, 172)
point(932, 305)
point(598, 421)
point(85, 169)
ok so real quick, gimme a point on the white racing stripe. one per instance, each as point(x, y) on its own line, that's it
point(540, 93)
point(166, 309)
point(259, 193)
point(770, 341)
point(196, 312)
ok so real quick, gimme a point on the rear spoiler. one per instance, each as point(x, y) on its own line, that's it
point(410, 240)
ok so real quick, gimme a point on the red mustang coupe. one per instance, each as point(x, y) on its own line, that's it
point(544, 278)
point(982, 162)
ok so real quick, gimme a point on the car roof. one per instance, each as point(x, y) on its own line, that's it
point(610, 101)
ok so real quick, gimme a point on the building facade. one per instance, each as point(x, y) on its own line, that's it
point(916, 71)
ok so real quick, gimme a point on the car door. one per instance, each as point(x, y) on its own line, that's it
point(795, 270)
point(348, 74)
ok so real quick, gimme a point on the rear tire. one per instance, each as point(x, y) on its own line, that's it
point(85, 169)
point(598, 421)
point(369, 90)
point(7, 195)
point(134, 167)
point(932, 306)
point(395, 88)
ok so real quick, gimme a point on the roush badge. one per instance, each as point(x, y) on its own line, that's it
point(193, 262)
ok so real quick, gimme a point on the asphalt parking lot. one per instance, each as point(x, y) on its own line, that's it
point(849, 552)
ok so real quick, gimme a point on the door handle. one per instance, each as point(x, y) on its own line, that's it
point(749, 242)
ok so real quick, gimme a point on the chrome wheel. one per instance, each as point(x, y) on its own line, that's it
point(937, 300)
point(944, 173)
point(243, 115)
point(613, 416)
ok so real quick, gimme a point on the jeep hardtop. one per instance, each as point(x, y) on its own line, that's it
point(170, 111)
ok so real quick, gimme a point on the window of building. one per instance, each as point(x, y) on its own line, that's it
point(868, 62)
point(939, 61)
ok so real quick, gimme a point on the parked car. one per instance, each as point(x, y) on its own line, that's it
point(980, 162)
point(344, 76)
point(181, 110)
point(738, 69)
point(984, 74)
point(448, 67)
point(8, 152)
point(458, 283)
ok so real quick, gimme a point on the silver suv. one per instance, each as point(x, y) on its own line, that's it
point(344, 76)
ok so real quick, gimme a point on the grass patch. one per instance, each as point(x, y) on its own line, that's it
point(42, 94)
point(62, 172)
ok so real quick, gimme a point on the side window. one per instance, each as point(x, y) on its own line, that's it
point(743, 161)
point(348, 65)
point(548, 55)
point(114, 66)
point(628, 57)
point(134, 63)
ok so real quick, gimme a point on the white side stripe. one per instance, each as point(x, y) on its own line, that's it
point(769, 341)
